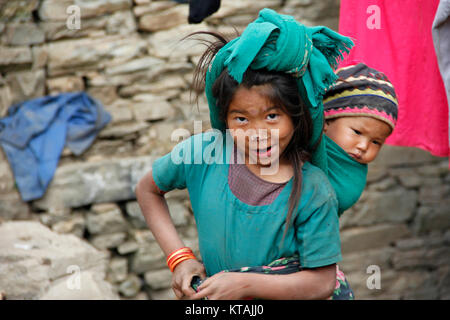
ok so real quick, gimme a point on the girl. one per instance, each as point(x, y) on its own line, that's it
point(271, 80)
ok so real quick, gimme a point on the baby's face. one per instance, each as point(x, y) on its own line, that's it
point(360, 137)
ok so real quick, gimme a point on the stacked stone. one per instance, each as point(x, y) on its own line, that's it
point(401, 225)
point(130, 56)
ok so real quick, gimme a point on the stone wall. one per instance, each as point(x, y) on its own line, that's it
point(128, 55)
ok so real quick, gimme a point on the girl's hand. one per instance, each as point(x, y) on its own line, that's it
point(182, 277)
point(224, 286)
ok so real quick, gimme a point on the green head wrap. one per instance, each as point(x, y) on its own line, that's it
point(280, 43)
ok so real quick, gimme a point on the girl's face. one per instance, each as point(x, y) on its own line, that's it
point(265, 128)
point(360, 137)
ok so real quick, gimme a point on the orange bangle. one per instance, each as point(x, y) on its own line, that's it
point(179, 256)
point(179, 260)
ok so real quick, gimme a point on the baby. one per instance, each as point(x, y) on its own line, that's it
point(360, 111)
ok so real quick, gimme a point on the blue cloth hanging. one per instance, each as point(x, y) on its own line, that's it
point(34, 133)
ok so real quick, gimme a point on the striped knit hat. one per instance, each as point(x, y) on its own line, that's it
point(361, 91)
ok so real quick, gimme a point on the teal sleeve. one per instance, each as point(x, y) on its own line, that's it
point(169, 171)
point(318, 236)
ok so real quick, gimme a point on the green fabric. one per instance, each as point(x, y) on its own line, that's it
point(233, 234)
point(347, 176)
point(278, 42)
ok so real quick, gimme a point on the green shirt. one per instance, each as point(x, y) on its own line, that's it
point(233, 234)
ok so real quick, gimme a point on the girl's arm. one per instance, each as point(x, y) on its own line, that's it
point(156, 213)
point(308, 284)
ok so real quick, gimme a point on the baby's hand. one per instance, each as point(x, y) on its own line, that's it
point(182, 277)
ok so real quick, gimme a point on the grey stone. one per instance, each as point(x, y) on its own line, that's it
point(135, 65)
point(19, 34)
point(13, 56)
point(135, 214)
point(18, 11)
point(108, 221)
point(74, 225)
point(57, 9)
point(32, 257)
point(164, 294)
point(131, 286)
point(166, 19)
point(120, 130)
point(108, 240)
point(394, 205)
point(64, 57)
point(5, 101)
point(159, 279)
point(127, 247)
point(147, 258)
point(79, 184)
point(12, 207)
point(25, 85)
point(154, 108)
point(433, 217)
point(92, 286)
point(117, 269)
point(65, 84)
point(378, 236)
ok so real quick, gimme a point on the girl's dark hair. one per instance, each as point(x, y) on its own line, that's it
point(284, 93)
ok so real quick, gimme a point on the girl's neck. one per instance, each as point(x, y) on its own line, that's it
point(283, 173)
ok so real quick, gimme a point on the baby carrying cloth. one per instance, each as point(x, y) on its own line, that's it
point(280, 43)
point(35, 132)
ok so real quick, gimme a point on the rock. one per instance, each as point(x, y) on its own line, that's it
point(131, 286)
point(390, 156)
point(164, 294)
point(153, 109)
point(26, 85)
point(117, 269)
point(74, 225)
point(146, 258)
point(18, 11)
point(135, 215)
point(105, 218)
point(67, 56)
point(36, 263)
point(13, 56)
point(5, 103)
point(108, 240)
point(167, 43)
point(19, 34)
point(432, 217)
point(152, 7)
point(166, 19)
point(122, 130)
point(393, 205)
point(378, 236)
point(65, 84)
point(435, 194)
point(91, 287)
point(159, 279)
point(128, 247)
point(12, 207)
point(135, 65)
point(6, 178)
point(178, 212)
point(79, 184)
point(57, 9)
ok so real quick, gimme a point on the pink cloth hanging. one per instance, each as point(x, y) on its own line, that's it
point(395, 37)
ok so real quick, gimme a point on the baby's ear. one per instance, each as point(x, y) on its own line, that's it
point(325, 126)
